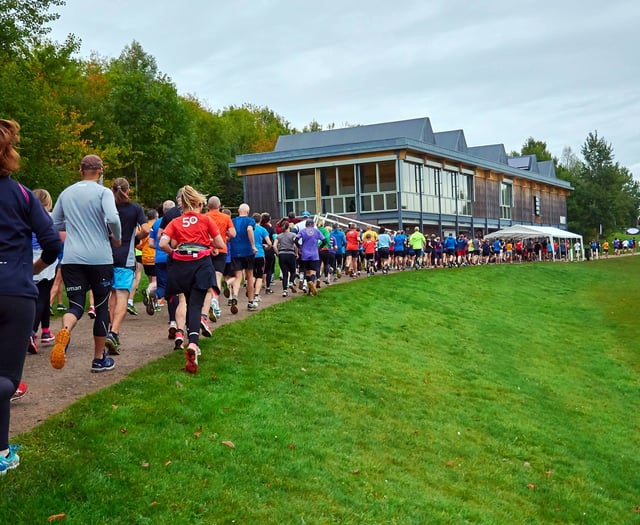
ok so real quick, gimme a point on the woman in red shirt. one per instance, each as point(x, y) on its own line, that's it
point(190, 240)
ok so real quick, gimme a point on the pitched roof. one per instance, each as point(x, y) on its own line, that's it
point(547, 168)
point(453, 140)
point(418, 129)
point(493, 152)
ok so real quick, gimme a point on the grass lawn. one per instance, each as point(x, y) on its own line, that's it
point(502, 394)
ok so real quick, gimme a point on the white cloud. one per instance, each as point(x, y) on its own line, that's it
point(499, 70)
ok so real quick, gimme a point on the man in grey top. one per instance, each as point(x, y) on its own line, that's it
point(87, 212)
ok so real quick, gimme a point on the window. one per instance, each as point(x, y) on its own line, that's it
point(506, 200)
point(299, 191)
point(377, 182)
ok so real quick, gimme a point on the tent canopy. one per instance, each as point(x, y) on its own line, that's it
point(522, 231)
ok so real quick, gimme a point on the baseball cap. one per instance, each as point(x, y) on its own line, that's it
point(306, 214)
point(91, 162)
point(309, 222)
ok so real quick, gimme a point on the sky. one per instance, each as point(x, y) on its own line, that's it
point(500, 70)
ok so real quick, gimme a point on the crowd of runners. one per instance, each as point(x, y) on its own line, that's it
point(197, 260)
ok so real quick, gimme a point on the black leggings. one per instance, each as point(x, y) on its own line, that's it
point(287, 267)
point(16, 322)
point(195, 300)
point(43, 313)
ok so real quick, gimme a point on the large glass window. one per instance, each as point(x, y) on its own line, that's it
point(338, 189)
point(506, 200)
point(377, 182)
point(299, 191)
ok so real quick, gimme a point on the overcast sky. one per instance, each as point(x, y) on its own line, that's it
point(500, 70)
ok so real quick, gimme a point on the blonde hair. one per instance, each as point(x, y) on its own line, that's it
point(44, 197)
point(9, 156)
point(191, 198)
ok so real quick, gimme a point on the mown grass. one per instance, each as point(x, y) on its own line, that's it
point(502, 394)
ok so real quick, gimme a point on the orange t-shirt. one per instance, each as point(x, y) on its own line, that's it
point(224, 223)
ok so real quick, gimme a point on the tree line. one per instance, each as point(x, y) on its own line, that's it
point(128, 112)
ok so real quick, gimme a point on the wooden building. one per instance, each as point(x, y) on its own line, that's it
point(402, 174)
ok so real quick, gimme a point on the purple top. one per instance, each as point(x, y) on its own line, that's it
point(310, 237)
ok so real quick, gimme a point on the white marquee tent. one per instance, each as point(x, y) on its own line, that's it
point(523, 231)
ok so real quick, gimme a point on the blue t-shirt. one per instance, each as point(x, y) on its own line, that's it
point(161, 255)
point(341, 240)
point(240, 244)
point(260, 233)
point(399, 242)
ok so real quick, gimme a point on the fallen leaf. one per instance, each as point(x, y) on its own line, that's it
point(196, 434)
point(153, 503)
point(115, 407)
point(636, 509)
point(72, 424)
point(167, 463)
point(531, 486)
point(179, 384)
point(145, 464)
point(292, 446)
point(450, 463)
point(549, 473)
point(214, 378)
point(527, 464)
point(57, 517)
point(123, 431)
point(356, 471)
point(229, 444)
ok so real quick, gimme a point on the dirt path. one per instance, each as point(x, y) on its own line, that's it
point(143, 338)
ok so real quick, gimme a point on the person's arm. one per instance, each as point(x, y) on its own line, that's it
point(252, 238)
point(165, 244)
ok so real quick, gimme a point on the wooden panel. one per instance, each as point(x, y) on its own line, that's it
point(261, 194)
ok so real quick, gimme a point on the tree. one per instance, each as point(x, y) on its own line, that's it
point(537, 148)
point(23, 24)
point(606, 197)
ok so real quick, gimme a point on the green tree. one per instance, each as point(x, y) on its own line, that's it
point(537, 148)
point(606, 197)
point(23, 24)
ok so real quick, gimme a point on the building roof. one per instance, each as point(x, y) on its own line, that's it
point(493, 152)
point(417, 129)
point(453, 140)
point(414, 134)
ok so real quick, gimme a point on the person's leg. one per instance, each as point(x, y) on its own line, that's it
point(16, 321)
point(131, 308)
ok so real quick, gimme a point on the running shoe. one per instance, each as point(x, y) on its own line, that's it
point(102, 364)
point(268, 291)
point(257, 298)
point(145, 296)
point(131, 308)
point(234, 305)
point(33, 346)
point(11, 461)
point(173, 328)
point(179, 340)
point(150, 305)
point(225, 289)
point(113, 343)
point(338, 273)
point(92, 312)
point(285, 293)
point(301, 284)
point(61, 307)
point(292, 287)
point(191, 355)
point(252, 306)
point(204, 326)
point(20, 392)
point(58, 355)
point(318, 284)
point(47, 337)
point(312, 288)
point(215, 305)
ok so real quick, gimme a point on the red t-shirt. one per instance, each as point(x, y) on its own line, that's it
point(353, 240)
point(192, 228)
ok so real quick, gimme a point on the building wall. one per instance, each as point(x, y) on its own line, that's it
point(261, 192)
